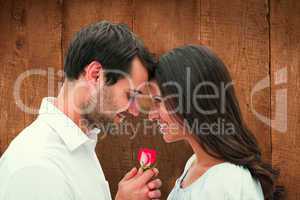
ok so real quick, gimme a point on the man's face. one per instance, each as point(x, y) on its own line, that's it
point(112, 102)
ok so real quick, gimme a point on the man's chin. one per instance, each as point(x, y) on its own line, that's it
point(97, 120)
point(119, 118)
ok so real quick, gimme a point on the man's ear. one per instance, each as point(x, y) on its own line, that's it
point(92, 71)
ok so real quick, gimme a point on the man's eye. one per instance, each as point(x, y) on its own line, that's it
point(131, 95)
point(134, 93)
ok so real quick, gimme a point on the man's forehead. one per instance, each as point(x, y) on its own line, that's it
point(138, 75)
point(138, 71)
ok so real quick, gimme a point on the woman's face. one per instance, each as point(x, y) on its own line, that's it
point(168, 126)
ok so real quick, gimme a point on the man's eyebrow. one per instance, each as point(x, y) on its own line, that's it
point(137, 91)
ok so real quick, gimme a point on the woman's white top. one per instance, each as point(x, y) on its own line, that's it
point(225, 181)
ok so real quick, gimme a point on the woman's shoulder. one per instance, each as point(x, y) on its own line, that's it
point(227, 180)
point(223, 174)
point(222, 170)
point(234, 180)
point(228, 173)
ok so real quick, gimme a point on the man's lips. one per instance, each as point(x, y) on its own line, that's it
point(120, 117)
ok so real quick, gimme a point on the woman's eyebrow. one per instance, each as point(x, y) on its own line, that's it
point(138, 91)
point(157, 97)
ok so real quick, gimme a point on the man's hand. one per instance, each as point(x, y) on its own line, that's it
point(137, 185)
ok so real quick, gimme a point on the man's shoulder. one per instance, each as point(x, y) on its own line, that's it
point(33, 132)
point(32, 146)
point(34, 138)
point(36, 180)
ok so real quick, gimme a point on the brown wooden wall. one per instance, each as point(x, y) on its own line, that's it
point(255, 38)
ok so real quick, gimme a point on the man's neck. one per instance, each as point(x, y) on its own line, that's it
point(67, 104)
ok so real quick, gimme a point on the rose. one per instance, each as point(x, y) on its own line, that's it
point(147, 158)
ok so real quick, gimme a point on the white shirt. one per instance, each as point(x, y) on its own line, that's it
point(52, 159)
point(224, 181)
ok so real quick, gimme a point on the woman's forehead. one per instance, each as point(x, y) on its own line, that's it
point(154, 88)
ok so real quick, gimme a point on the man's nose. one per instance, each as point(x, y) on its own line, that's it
point(133, 108)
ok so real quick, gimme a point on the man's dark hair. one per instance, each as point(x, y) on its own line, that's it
point(112, 45)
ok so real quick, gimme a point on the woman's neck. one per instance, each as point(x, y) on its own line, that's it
point(203, 162)
point(202, 157)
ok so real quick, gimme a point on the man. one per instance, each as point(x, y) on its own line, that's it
point(54, 158)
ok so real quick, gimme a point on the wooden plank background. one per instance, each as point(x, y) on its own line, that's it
point(255, 39)
point(285, 55)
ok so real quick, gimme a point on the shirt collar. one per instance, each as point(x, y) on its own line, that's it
point(67, 130)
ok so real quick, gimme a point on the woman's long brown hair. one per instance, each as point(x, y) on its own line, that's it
point(191, 65)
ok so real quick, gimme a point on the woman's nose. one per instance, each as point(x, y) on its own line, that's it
point(153, 115)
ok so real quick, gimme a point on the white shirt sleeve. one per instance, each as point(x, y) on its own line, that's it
point(37, 183)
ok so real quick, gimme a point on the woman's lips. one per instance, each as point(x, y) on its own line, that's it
point(163, 127)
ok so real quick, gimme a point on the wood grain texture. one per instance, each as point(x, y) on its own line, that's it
point(256, 39)
point(285, 52)
point(114, 151)
point(164, 25)
point(30, 39)
point(77, 14)
point(238, 32)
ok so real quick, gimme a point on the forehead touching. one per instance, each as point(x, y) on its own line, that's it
point(154, 88)
point(138, 72)
point(137, 78)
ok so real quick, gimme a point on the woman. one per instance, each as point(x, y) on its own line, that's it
point(196, 102)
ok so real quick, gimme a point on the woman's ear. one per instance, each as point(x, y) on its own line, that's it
point(92, 71)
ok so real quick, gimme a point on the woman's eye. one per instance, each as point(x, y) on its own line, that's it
point(157, 100)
